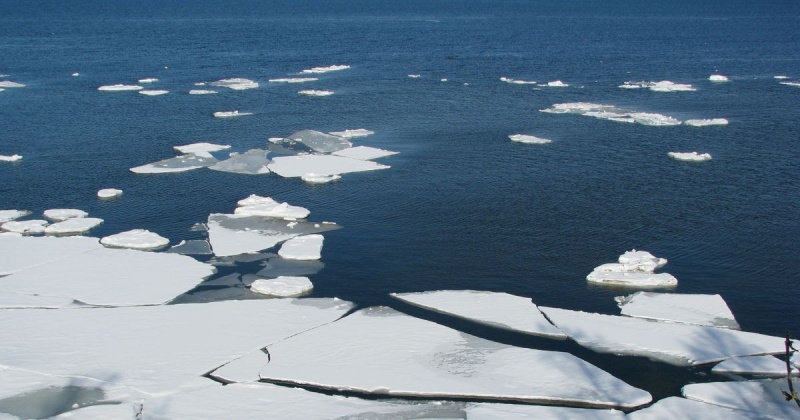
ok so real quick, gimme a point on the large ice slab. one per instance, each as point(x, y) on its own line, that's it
point(528, 139)
point(306, 247)
point(73, 226)
point(236, 83)
point(758, 398)
point(364, 153)
point(58, 215)
point(690, 156)
point(141, 239)
point(252, 162)
point(677, 344)
point(706, 310)
point(383, 352)
point(612, 113)
point(9, 215)
point(335, 67)
point(320, 142)
point(753, 365)
point(325, 165)
point(255, 205)
point(25, 227)
point(201, 149)
point(158, 349)
point(233, 234)
point(284, 286)
point(20, 253)
point(684, 409)
point(500, 310)
point(181, 163)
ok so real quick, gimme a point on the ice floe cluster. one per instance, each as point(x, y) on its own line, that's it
point(662, 86)
point(633, 269)
point(60, 222)
point(612, 113)
point(718, 78)
point(689, 156)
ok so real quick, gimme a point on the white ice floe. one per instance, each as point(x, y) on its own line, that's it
point(140, 239)
point(270, 208)
point(500, 310)
point(9, 215)
point(58, 215)
point(556, 83)
point(25, 227)
point(364, 153)
point(759, 399)
point(326, 165)
point(753, 365)
point(236, 83)
point(706, 310)
point(118, 88)
point(677, 344)
point(528, 139)
point(254, 199)
point(781, 77)
point(234, 234)
point(154, 350)
point(335, 67)
point(443, 79)
point(306, 247)
point(314, 92)
point(689, 156)
point(718, 78)
point(318, 141)
point(647, 118)
point(201, 92)
point(685, 409)
point(154, 92)
point(10, 158)
point(10, 84)
point(348, 134)
point(294, 80)
point(73, 226)
point(201, 149)
point(229, 114)
point(795, 84)
point(283, 287)
point(662, 86)
point(109, 193)
point(634, 269)
point(148, 80)
point(76, 74)
point(517, 82)
point(252, 162)
point(611, 113)
point(414, 76)
point(642, 259)
point(313, 178)
point(80, 268)
point(181, 163)
point(706, 122)
point(385, 353)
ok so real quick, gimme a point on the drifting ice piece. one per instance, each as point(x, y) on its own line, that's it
point(348, 134)
point(382, 352)
point(795, 84)
point(690, 156)
point(255, 205)
point(140, 239)
point(681, 408)
point(153, 92)
point(556, 83)
point(294, 80)
point(706, 310)
point(761, 399)
point(109, 193)
point(611, 113)
point(718, 78)
point(706, 122)
point(517, 82)
point(364, 153)
point(252, 162)
point(12, 158)
point(201, 92)
point(499, 310)
point(524, 138)
point(662, 86)
point(73, 226)
point(313, 178)
point(335, 67)
point(632, 279)
point(753, 365)
point(229, 114)
point(236, 83)
point(58, 215)
point(10, 84)
point(319, 141)
point(312, 92)
point(201, 149)
point(181, 163)
point(306, 247)
point(118, 88)
point(234, 234)
point(283, 286)
point(297, 166)
point(25, 227)
point(677, 344)
point(642, 259)
point(148, 80)
point(9, 215)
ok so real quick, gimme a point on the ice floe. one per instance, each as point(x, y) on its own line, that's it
point(685, 409)
point(500, 310)
point(294, 80)
point(276, 267)
point(313, 178)
point(234, 234)
point(58, 215)
point(662, 86)
point(181, 163)
point(109, 193)
point(73, 226)
point(760, 399)
point(201, 92)
point(318, 141)
point(154, 350)
point(10, 158)
point(265, 206)
point(119, 88)
point(284, 286)
point(677, 344)
point(752, 365)
point(154, 92)
point(25, 227)
point(314, 92)
point(320, 165)
point(252, 162)
point(706, 310)
point(706, 122)
point(236, 83)
point(795, 84)
point(229, 114)
point(516, 81)
point(612, 113)
point(141, 239)
point(385, 353)
point(201, 149)
point(192, 247)
point(555, 83)
point(148, 80)
point(9, 215)
point(689, 156)
point(364, 153)
point(414, 76)
point(718, 78)
point(781, 77)
point(335, 67)
point(528, 139)
point(10, 84)
point(634, 269)
point(80, 268)
point(348, 134)
point(306, 247)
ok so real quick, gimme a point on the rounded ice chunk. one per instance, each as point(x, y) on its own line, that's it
point(59, 215)
point(557, 83)
point(312, 92)
point(140, 239)
point(284, 286)
point(690, 156)
point(201, 92)
point(153, 92)
point(306, 247)
point(73, 226)
point(313, 178)
point(108, 193)
point(9, 215)
point(706, 122)
point(12, 158)
point(335, 67)
point(25, 227)
point(718, 78)
point(118, 88)
point(227, 114)
point(527, 139)
point(76, 74)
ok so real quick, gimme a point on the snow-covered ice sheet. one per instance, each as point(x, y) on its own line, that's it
point(297, 166)
point(73, 226)
point(58, 215)
point(684, 409)
point(283, 287)
point(201, 149)
point(383, 352)
point(706, 310)
point(156, 350)
point(762, 398)
point(690, 156)
point(141, 239)
point(233, 234)
point(753, 365)
point(306, 247)
point(108, 193)
point(364, 153)
point(335, 67)
point(25, 227)
point(706, 122)
point(528, 139)
point(181, 163)
point(500, 310)
point(9, 215)
point(677, 344)
point(252, 162)
point(13, 300)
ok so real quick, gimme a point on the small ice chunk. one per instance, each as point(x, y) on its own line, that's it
point(229, 114)
point(414, 76)
point(118, 88)
point(689, 156)
point(154, 92)
point(443, 80)
point(314, 92)
point(294, 80)
point(284, 286)
point(320, 142)
point(306, 247)
point(706, 122)
point(201, 92)
point(181, 163)
point(706, 310)
point(201, 149)
point(718, 78)
point(335, 67)
point(348, 134)
point(364, 153)
point(76, 74)
point(557, 83)
point(632, 279)
point(193, 247)
point(500, 310)
point(760, 399)
point(25, 227)
point(11, 158)
point(73, 226)
point(752, 365)
point(642, 259)
point(781, 77)
point(528, 139)
point(324, 165)
point(236, 83)
point(58, 215)
point(10, 84)
point(252, 162)
point(254, 199)
point(273, 209)
point(662, 86)
point(685, 409)
point(9, 215)
point(517, 82)
point(313, 178)
point(148, 80)
point(234, 234)
point(140, 239)
point(109, 193)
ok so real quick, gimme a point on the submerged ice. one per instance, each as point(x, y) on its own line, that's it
point(233, 234)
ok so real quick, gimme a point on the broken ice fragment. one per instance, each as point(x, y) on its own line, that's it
point(795, 84)
point(283, 286)
point(718, 78)
point(662, 86)
point(25, 227)
point(313, 178)
point(706, 122)
point(313, 92)
point(10, 84)
point(335, 67)
point(140, 239)
point(306, 247)
point(524, 138)
point(611, 113)
point(319, 141)
point(181, 163)
point(148, 80)
point(556, 83)
point(364, 153)
point(643, 260)
point(118, 88)
point(255, 205)
point(73, 226)
point(252, 162)
point(706, 310)
point(201, 149)
point(109, 193)
point(58, 215)
point(690, 156)
point(234, 234)
point(201, 92)
point(297, 166)
point(11, 158)
point(358, 132)
point(517, 82)
point(229, 114)
point(153, 92)
point(752, 365)
point(633, 279)
point(236, 83)
point(9, 215)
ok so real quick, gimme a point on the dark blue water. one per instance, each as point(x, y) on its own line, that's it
point(462, 207)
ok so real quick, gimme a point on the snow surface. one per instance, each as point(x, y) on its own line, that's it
point(677, 344)
point(108, 193)
point(314, 92)
point(313, 178)
point(140, 239)
point(335, 67)
point(236, 83)
point(294, 80)
point(718, 78)
point(528, 139)
point(284, 286)
point(11, 158)
point(73, 226)
point(383, 352)
point(181, 163)
point(201, 92)
point(297, 166)
point(364, 153)
point(153, 92)
point(252, 162)
point(306, 247)
point(517, 82)
point(706, 122)
point(494, 411)
point(689, 156)
point(58, 215)
point(118, 88)
point(156, 350)
point(758, 398)
point(234, 234)
point(706, 310)
point(348, 134)
point(21, 253)
point(255, 205)
point(25, 227)
point(753, 365)
point(201, 149)
point(9, 215)
point(500, 310)
point(13, 300)
point(229, 114)
point(681, 408)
